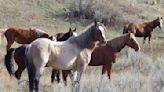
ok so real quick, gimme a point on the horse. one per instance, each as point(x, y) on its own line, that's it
point(106, 55)
point(22, 35)
point(16, 54)
point(73, 54)
point(62, 37)
point(143, 29)
point(65, 36)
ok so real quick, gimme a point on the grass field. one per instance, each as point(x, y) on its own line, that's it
point(138, 72)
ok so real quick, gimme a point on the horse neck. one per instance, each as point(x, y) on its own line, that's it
point(84, 40)
point(152, 24)
point(63, 37)
point(118, 43)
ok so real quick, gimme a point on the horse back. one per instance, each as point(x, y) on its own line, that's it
point(24, 36)
point(139, 29)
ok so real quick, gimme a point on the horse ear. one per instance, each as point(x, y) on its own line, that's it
point(70, 29)
point(103, 21)
point(74, 30)
point(129, 34)
point(95, 22)
point(161, 17)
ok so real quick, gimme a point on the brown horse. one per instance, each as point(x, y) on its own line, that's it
point(143, 29)
point(22, 36)
point(16, 54)
point(106, 55)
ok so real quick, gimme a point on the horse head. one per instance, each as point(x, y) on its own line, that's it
point(72, 31)
point(158, 22)
point(99, 35)
point(132, 42)
point(53, 38)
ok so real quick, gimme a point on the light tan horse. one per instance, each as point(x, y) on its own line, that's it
point(73, 54)
point(143, 29)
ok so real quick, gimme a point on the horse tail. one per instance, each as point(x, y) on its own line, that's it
point(9, 61)
point(30, 67)
point(2, 31)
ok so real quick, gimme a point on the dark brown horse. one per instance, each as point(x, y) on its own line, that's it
point(106, 55)
point(22, 36)
point(16, 54)
point(143, 29)
point(65, 36)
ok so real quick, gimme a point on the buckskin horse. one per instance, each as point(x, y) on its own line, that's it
point(143, 29)
point(22, 36)
point(62, 37)
point(16, 54)
point(76, 52)
point(106, 55)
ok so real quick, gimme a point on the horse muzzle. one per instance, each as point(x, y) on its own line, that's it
point(160, 27)
point(138, 49)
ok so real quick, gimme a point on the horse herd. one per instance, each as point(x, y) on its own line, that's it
point(69, 52)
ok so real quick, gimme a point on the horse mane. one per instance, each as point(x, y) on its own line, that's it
point(117, 42)
point(152, 23)
point(85, 39)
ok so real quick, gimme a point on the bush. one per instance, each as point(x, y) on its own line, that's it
point(112, 12)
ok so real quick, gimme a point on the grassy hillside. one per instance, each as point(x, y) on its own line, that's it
point(139, 72)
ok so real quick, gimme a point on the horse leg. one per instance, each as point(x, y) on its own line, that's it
point(149, 38)
point(55, 73)
point(103, 69)
point(77, 78)
point(144, 40)
point(31, 72)
point(10, 41)
point(109, 67)
point(65, 74)
point(38, 74)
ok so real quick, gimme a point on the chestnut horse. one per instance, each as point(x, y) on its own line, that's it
point(16, 54)
point(143, 29)
point(106, 55)
point(22, 36)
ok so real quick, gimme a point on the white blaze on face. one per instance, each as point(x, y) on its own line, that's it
point(74, 34)
point(102, 31)
point(54, 38)
point(161, 23)
point(134, 38)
